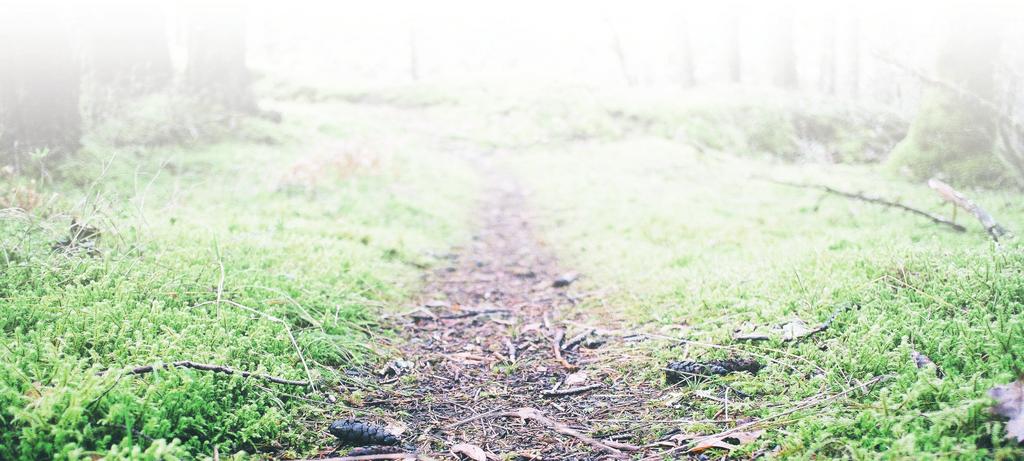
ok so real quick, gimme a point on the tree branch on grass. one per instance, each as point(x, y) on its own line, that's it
point(216, 369)
point(878, 201)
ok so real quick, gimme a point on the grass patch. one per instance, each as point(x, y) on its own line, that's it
point(182, 228)
point(695, 243)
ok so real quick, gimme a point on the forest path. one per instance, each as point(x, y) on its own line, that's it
point(498, 331)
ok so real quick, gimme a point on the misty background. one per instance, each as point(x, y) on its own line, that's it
point(94, 54)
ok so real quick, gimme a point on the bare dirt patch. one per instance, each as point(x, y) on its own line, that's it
point(498, 356)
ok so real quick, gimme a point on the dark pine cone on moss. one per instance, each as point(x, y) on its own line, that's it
point(688, 371)
point(359, 433)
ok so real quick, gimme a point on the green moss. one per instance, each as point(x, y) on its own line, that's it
point(695, 242)
point(952, 138)
point(172, 218)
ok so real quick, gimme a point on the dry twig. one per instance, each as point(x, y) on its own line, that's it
point(556, 346)
point(878, 201)
point(569, 390)
point(576, 340)
point(216, 369)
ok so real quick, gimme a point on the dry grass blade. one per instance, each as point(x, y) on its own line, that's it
point(758, 422)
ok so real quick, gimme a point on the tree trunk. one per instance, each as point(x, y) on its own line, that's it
point(853, 49)
point(827, 77)
point(734, 55)
point(128, 53)
point(687, 78)
point(414, 59)
point(785, 75)
point(216, 70)
point(39, 85)
point(954, 132)
point(620, 54)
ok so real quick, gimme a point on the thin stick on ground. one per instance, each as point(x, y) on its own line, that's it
point(535, 415)
point(570, 391)
point(876, 200)
point(955, 197)
point(369, 457)
point(216, 369)
point(556, 346)
point(576, 340)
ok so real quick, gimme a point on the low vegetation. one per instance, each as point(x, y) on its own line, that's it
point(276, 254)
point(704, 247)
point(273, 257)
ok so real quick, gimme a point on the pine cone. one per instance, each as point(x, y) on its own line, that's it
point(361, 434)
point(690, 372)
point(373, 450)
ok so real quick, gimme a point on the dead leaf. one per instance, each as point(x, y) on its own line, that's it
point(795, 329)
point(470, 451)
point(573, 379)
point(1010, 404)
point(397, 428)
point(725, 441)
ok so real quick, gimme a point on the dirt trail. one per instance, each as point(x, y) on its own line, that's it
point(484, 344)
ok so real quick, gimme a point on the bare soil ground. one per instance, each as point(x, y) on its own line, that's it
point(500, 356)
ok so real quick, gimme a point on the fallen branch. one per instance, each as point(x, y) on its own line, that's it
point(953, 196)
point(216, 369)
point(536, 415)
point(569, 390)
point(878, 201)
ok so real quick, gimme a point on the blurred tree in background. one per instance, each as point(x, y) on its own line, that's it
point(39, 84)
point(216, 70)
point(193, 56)
point(954, 132)
point(127, 48)
point(784, 62)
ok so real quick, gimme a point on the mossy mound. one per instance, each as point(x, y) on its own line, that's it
point(951, 138)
